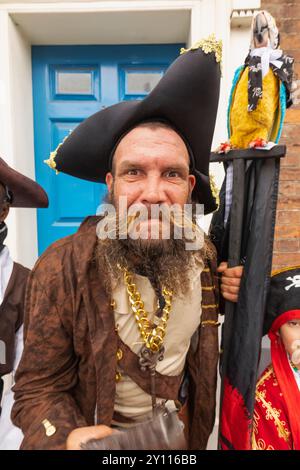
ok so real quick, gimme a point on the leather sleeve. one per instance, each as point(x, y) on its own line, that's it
point(44, 407)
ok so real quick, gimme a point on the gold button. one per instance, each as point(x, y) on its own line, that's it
point(118, 376)
point(50, 431)
point(49, 428)
point(119, 354)
point(113, 303)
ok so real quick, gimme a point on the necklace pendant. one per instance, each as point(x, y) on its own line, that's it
point(148, 362)
point(148, 359)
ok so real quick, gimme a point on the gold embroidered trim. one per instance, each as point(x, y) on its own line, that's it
point(210, 322)
point(255, 430)
point(260, 444)
point(210, 306)
point(273, 413)
point(283, 270)
point(51, 161)
point(210, 288)
point(206, 270)
point(215, 190)
point(264, 377)
point(208, 45)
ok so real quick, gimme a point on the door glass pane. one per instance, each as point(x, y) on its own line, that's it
point(75, 83)
point(141, 83)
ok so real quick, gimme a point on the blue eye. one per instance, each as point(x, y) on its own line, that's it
point(172, 174)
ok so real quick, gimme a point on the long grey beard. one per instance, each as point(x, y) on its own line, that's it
point(164, 265)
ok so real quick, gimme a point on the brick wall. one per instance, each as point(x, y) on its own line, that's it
point(287, 232)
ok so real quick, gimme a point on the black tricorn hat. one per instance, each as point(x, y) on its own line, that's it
point(186, 98)
point(23, 191)
point(284, 294)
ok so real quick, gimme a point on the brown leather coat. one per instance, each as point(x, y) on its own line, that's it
point(11, 316)
point(69, 363)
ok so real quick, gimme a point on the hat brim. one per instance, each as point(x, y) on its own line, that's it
point(25, 191)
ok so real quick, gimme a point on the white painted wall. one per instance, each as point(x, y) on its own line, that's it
point(23, 146)
point(16, 132)
point(6, 137)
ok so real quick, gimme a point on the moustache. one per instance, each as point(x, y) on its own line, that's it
point(180, 221)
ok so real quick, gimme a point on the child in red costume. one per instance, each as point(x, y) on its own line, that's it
point(276, 424)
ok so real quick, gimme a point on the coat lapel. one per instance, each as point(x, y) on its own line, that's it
point(100, 320)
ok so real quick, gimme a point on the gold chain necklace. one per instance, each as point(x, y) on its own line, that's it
point(153, 337)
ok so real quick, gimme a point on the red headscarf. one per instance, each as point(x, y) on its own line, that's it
point(285, 376)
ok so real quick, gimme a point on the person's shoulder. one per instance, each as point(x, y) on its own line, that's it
point(21, 270)
point(60, 254)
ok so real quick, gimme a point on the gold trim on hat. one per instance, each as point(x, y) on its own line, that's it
point(208, 45)
point(283, 270)
point(215, 190)
point(51, 161)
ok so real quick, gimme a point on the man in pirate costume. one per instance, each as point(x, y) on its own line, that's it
point(117, 328)
point(16, 190)
point(276, 424)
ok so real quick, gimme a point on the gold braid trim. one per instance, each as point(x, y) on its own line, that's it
point(283, 270)
point(51, 161)
point(271, 413)
point(208, 45)
point(260, 443)
point(215, 190)
point(274, 414)
point(210, 306)
point(265, 377)
point(210, 322)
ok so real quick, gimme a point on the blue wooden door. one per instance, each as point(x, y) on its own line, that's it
point(69, 84)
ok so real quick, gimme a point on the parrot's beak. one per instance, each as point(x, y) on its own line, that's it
point(260, 31)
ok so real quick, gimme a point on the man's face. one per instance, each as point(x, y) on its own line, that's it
point(290, 335)
point(151, 166)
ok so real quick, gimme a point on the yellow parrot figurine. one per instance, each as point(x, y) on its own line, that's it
point(261, 90)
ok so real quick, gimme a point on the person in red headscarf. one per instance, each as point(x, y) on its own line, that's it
point(276, 420)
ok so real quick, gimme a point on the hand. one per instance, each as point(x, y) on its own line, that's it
point(230, 281)
point(80, 435)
